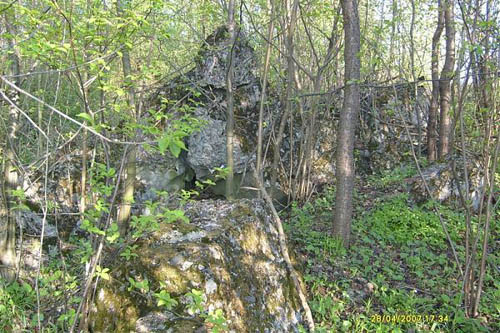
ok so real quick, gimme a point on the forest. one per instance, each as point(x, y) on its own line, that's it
point(250, 166)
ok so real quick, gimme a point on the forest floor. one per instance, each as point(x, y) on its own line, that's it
point(399, 274)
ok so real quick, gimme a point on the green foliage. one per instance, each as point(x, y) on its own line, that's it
point(128, 253)
point(20, 198)
point(83, 250)
point(145, 224)
point(64, 45)
point(215, 318)
point(165, 300)
point(103, 273)
point(112, 234)
point(140, 285)
point(392, 177)
point(16, 302)
point(402, 224)
point(141, 225)
point(316, 242)
point(399, 263)
point(221, 173)
point(197, 300)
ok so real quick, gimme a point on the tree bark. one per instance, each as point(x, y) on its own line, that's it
point(130, 170)
point(414, 86)
point(270, 30)
point(445, 82)
point(289, 44)
point(230, 103)
point(347, 123)
point(434, 105)
point(8, 216)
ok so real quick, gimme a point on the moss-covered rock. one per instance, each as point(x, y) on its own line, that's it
point(230, 252)
point(443, 183)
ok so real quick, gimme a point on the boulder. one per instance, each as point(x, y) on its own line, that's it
point(207, 149)
point(386, 112)
point(212, 62)
point(229, 252)
point(33, 224)
point(157, 172)
point(202, 90)
point(443, 185)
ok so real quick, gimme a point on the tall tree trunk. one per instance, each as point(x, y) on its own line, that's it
point(8, 215)
point(347, 123)
point(394, 7)
point(434, 105)
point(270, 30)
point(230, 103)
point(292, 22)
point(130, 170)
point(416, 108)
point(86, 108)
point(445, 84)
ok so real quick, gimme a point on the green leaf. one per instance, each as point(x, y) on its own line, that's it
point(175, 149)
point(86, 117)
point(112, 236)
point(102, 272)
point(164, 299)
point(180, 143)
point(163, 143)
point(174, 215)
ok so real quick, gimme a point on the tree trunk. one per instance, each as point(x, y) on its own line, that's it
point(414, 86)
point(130, 170)
point(434, 105)
point(230, 103)
point(8, 216)
point(347, 123)
point(292, 21)
point(263, 94)
point(445, 84)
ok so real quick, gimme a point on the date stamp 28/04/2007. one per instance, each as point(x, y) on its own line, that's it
point(408, 318)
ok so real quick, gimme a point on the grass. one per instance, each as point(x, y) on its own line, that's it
point(398, 268)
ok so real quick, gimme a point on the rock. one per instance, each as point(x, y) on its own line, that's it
point(168, 176)
point(229, 252)
point(32, 223)
point(203, 91)
point(153, 322)
point(386, 112)
point(63, 189)
point(30, 255)
point(207, 149)
point(442, 185)
point(212, 60)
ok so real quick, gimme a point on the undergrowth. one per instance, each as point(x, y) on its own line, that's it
point(399, 275)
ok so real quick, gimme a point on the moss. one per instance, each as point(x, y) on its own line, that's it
point(115, 303)
point(176, 281)
point(242, 210)
point(251, 242)
point(252, 287)
point(187, 326)
point(185, 228)
point(166, 228)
